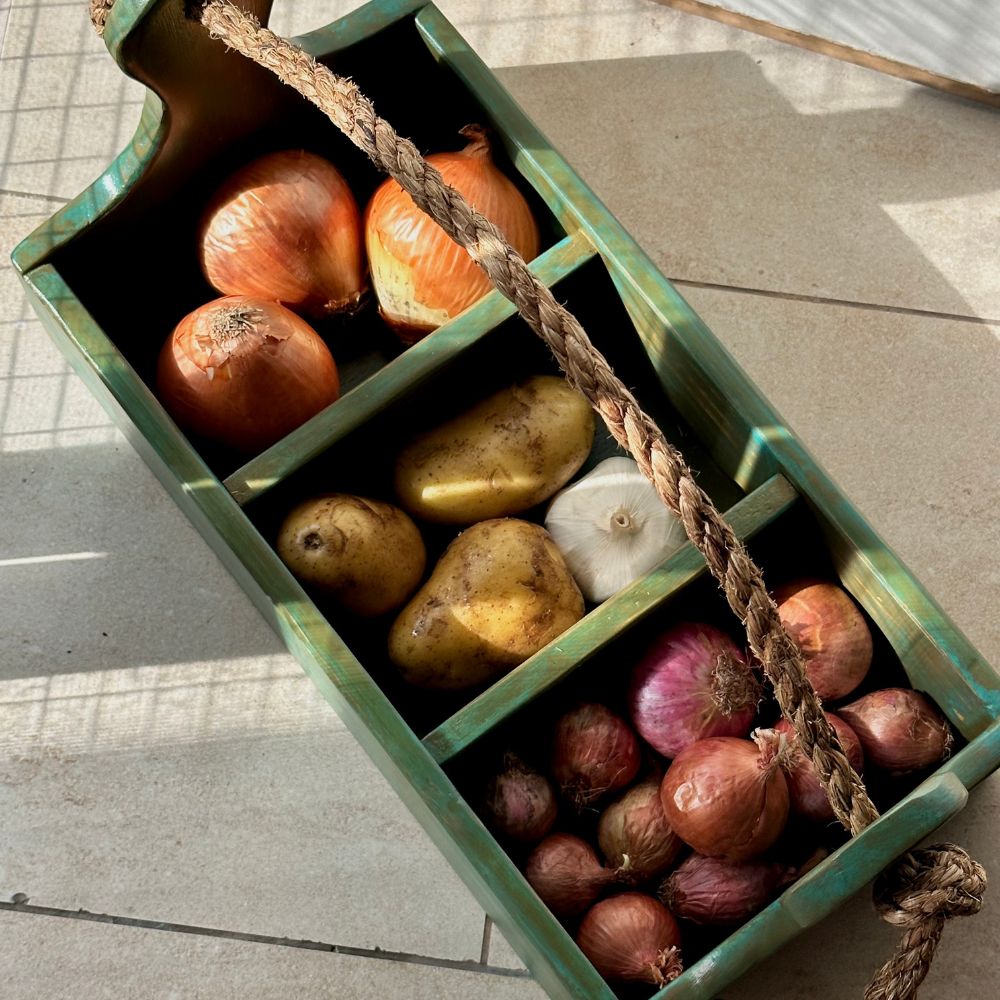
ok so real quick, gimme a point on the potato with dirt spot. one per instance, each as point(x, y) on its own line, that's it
point(365, 555)
point(499, 593)
point(508, 453)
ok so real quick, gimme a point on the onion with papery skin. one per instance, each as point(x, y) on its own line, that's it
point(692, 683)
point(520, 802)
point(719, 893)
point(421, 277)
point(832, 633)
point(635, 836)
point(727, 797)
point(900, 730)
point(595, 753)
point(245, 372)
point(632, 938)
point(286, 227)
point(567, 874)
point(804, 789)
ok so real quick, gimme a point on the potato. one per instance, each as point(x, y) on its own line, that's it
point(499, 593)
point(509, 452)
point(365, 555)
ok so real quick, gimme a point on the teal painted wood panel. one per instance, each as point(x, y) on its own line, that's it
point(742, 432)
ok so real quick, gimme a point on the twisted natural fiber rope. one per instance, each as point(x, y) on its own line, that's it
point(919, 893)
point(926, 888)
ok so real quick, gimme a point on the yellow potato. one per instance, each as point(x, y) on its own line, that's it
point(367, 556)
point(509, 452)
point(499, 593)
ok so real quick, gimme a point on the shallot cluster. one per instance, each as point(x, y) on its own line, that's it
point(690, 816)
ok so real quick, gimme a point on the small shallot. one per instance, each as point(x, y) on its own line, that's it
point(567, 875)
point(727, 797)
point(804, 788)
point(831, 632)
point(635, 836)
point(595, 753)
point(719, 893)
point(900, 730)
point(520, 803)
point(691, 683)
point(632, 938)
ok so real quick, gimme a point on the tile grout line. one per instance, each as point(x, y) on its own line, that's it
point(484, 954)
point(826, 301)
point(39, 197)
point(454, 964)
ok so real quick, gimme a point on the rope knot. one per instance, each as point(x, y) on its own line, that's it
point(937, 882)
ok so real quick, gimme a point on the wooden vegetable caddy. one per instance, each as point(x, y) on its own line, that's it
point(88, 275)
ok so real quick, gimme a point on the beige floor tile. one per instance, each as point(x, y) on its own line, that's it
point(723, 179)
point(896, 407)
point(501, 953)
point(56, 958)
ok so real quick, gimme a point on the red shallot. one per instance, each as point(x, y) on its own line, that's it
point(634, 834)
point(632, 938)
point(595, 753)
point(804, 789)
point(692, 683)
point(899, 729)
point(727, 797)
point(719, 893)
point(520, 802)
point(831, 632)
point(567, 875)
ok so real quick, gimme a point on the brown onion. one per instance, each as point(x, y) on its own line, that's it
point(595, 753)
point(804, 789)
point(632, 938)
point(567, 875)
point(692, 682)
point(635, 836)
point(520, 802)
point(899, 729)
point(244, 372)
point(727, 797)
point(286, 227)
point(831, 632)
point(422, 278)
point(710, 891)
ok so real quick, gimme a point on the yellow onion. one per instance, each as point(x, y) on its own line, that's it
point(286, 227)
point(422, 278)
point(244, 372)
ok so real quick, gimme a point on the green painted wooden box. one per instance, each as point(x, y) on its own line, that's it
point(208, 110)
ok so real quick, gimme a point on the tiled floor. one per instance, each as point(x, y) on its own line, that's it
point(163, 760)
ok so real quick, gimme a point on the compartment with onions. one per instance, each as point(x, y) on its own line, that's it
point(654, 799)
point(293, 261)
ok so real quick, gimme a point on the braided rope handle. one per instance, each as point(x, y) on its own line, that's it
point(925, 887)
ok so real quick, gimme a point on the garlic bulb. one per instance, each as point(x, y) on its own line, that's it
point(612, 528)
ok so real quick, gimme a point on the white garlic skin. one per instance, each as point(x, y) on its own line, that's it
point(612, 528)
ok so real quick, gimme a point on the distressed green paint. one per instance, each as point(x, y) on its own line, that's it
point(562, 656)
point(397, 378)
point(151, 41)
